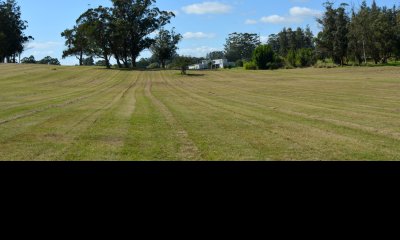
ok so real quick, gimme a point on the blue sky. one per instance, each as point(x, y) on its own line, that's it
point(204, 24)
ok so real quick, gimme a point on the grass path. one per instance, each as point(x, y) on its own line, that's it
point(187, 150)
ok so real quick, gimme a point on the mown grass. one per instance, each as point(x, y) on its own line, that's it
point(84, 113)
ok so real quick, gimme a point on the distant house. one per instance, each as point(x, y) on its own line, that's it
point(212, 64)
point(200, 66)
point(219, 63)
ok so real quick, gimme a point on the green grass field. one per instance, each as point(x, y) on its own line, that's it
point(84, 113)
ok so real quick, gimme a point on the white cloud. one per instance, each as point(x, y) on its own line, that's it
point(296, 15)
point(207, 8)
point(250, 21)
point(43, 45)
point(42, 53)
point(42, 49)
point(197, 51)
point(304, 12)
point(198, 35)
point(274, 19)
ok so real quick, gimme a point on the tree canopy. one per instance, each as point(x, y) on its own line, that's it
point(121, 31)
point(370, 32)
point(263, 56)
point(77, 43)
point(46, 60)
point(12, 27)
point(240, 46)
point(165, 45)
point(215, 55)
point(288, 39)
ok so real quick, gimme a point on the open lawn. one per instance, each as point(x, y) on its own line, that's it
point(88, 113)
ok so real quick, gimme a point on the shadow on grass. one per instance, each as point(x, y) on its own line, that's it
point(189, 74)
point(391, 64)
point(151, 70)
point(137, 69)
point(195, 75)
point(369, 64)
point(125, 69)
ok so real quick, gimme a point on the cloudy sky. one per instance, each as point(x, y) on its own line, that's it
point(204, 24)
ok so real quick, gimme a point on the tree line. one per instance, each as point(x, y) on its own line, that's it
point(369, 33)
point(46, 60)
point(358, 36)
point(122, 31)
point(12, 37)
point(242, 47)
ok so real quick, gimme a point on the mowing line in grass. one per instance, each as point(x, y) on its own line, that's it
point(188, 150)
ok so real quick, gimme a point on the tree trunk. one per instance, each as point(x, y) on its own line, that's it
point(125, 55)
point(107, 61)
point(118, 62)
point(125, 61)
point(81, 59)
point(134, 57)
point(359, 59)
point(365, 55)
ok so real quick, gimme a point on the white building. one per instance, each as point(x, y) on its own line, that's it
point(212, 64)
point(219, 63)
point(200, 66)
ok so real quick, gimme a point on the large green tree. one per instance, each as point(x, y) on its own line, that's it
point(135, 20)
point(332, 41)
point(385, 27)
point(12, 27)
point(357, 38)
point(28, 60)
point(49, 61)
point(95, 23)
point(77, 43)
point(341, 41)
point(121, 31)
point(397, 34)
point(288, 40)
point(283, 42)
point(372, 43)
point(165, 45)
point(374, 33)
point(263, 56)
point(240, 46)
